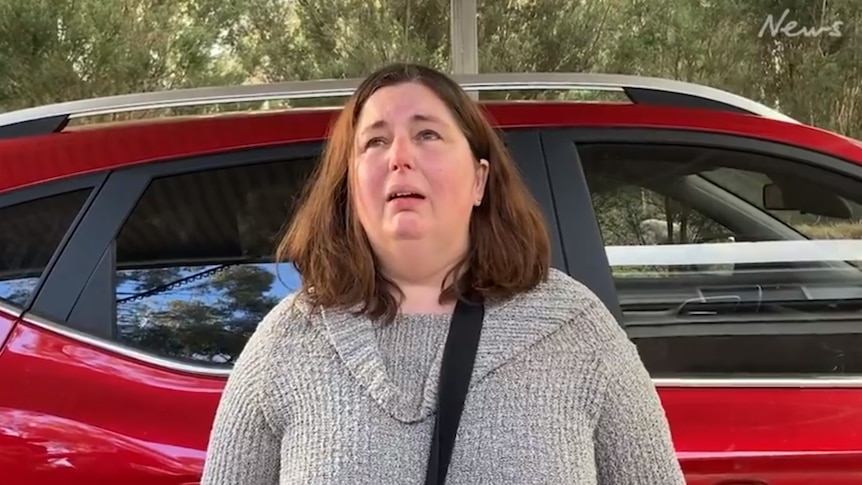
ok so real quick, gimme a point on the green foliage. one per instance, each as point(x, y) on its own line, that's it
point(57, 50)
point(60, 50)
point(199, 314)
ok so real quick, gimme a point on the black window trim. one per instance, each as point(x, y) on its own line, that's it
point(77, 268)
point(23, 195)
point(699, 138)
point(563, 143)
point(583, 247)
point(526, 149)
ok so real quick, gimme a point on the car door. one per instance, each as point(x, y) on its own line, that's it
point(736, 268)
point(129, 340)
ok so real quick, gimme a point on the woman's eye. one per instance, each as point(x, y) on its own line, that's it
point(373, 142)
point(428, 135)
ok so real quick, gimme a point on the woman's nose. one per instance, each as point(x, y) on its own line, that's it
point(401, 153)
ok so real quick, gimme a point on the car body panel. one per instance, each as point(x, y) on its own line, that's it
point(53, 156)
point(8, 319)
point(123, 421)
point(79, 413)
point(787, 436)
point(90, 416)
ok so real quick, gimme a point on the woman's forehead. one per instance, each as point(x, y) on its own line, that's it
point(403, 103)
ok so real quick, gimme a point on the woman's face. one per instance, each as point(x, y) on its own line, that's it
point(413, 174)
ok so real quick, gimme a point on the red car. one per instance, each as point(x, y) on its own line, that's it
point(135, 260)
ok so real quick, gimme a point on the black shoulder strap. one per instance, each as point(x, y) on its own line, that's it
point(456, 370)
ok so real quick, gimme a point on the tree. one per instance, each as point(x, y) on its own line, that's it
point(201, 314)
point(61, 50)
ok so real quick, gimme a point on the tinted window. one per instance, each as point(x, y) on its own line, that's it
point(30, 236)
point(195, 273)
point(731, 262)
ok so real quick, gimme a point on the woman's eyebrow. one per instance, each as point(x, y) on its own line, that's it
point(417, 117)
point(425, 117)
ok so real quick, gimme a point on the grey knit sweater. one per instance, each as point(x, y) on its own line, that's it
point(558, 396)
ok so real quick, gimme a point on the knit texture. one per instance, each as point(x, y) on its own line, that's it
point(558, 396)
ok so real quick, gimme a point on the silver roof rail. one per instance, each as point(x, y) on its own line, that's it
point(639, 89)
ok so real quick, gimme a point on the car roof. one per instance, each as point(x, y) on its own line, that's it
point(637, 89)
point(60, 153)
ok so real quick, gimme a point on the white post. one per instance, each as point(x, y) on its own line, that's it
point(464, 33)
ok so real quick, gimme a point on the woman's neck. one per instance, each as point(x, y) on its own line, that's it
point(421, 282)
point(423, 299)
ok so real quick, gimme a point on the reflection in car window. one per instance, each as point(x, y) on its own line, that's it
point(195, 269)
point(749, 186)
point(629, 215)
point(693, 244)
point(203, 313)
point(31, 233)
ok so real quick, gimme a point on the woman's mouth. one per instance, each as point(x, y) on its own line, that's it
point(404, 195)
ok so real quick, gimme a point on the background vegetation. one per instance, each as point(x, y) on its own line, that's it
point(58, 50)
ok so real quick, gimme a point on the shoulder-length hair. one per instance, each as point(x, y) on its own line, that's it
point(509, 244)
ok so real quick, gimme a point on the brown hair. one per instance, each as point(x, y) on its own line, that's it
point(509, 244)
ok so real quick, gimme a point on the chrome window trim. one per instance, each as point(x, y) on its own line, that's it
point(814, 381)
point(124, 350)
point(10, 309)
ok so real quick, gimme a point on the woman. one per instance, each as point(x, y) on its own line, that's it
point(416, 202)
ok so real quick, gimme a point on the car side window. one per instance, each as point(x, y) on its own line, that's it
point(195, 269)
point(718, 254)
point(630, 215)
point(31, 233)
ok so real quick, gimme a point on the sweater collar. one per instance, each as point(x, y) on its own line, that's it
point(509, 329)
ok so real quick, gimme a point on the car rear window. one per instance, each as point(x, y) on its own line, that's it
point(32, 232)
point(195, 271)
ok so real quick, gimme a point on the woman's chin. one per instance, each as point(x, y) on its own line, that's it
point(407, 226)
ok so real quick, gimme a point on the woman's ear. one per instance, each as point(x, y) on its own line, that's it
point(482, 169)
